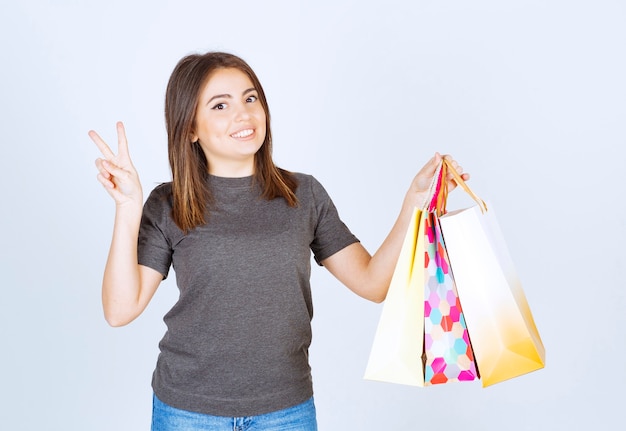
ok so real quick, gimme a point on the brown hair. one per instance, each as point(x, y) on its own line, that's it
point(192, 196)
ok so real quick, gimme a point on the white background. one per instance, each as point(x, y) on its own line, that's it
point(529, 96)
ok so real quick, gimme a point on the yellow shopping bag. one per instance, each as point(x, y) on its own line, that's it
point(504, 336)
point(398, 345)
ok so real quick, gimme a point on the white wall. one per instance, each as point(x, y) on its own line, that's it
point(529, 95)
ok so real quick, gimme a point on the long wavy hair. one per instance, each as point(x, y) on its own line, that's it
point(192, 197)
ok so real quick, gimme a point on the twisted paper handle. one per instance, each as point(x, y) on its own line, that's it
point(438, 192)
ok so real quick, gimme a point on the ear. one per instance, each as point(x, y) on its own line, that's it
point(193, 137)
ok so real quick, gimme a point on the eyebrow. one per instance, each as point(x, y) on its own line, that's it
point(228, 96)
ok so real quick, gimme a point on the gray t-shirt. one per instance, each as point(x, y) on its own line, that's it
point(237, 338)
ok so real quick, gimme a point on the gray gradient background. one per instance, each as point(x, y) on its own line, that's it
point(530, 96)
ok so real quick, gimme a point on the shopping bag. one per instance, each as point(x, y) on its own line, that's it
point(396, 352)
point(421, 337)
point(448, 355)
point(505, 339)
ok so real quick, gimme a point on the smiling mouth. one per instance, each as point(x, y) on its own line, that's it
point(243, 133)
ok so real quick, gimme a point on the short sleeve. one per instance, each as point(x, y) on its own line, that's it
point(331, 233)
point(154, 248)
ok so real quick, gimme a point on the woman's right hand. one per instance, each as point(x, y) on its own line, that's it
point(116, 171)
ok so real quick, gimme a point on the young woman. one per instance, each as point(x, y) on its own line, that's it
point(238, 232)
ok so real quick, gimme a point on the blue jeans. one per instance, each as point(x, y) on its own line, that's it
point(296, 418)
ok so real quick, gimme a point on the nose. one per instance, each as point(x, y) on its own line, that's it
point(243, 113)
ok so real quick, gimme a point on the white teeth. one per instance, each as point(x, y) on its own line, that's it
point(243, 133)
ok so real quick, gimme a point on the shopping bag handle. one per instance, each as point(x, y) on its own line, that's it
point(442, 193)
point(431, 201)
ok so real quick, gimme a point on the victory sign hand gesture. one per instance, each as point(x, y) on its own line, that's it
point(116, 171)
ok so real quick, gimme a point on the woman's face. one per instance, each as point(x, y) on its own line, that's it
point(230, 123)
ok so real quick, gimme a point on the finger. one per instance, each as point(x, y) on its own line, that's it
point(431, 165)
point(424, 177)
point(122, 142)
point(454, 163)
point(459, 171)
point(99, 164)
point(102, 146)
point(448, 158)
point(463, 176)
point(111, 189)
point(106, 182)
point(114, 170)
point(102, 169)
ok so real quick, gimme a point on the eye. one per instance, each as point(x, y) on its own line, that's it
point(252, 99)
point(219, 106)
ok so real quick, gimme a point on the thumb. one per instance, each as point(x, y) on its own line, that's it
point(423, 179)
point(431, 166)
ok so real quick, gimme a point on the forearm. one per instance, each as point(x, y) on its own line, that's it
point(369, 276)
point(121, 284)
point(382, 263)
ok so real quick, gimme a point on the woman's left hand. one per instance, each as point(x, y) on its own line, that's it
point(418, 192)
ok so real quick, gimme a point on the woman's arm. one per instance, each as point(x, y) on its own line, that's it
point(369, 276)
point(127, 287)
